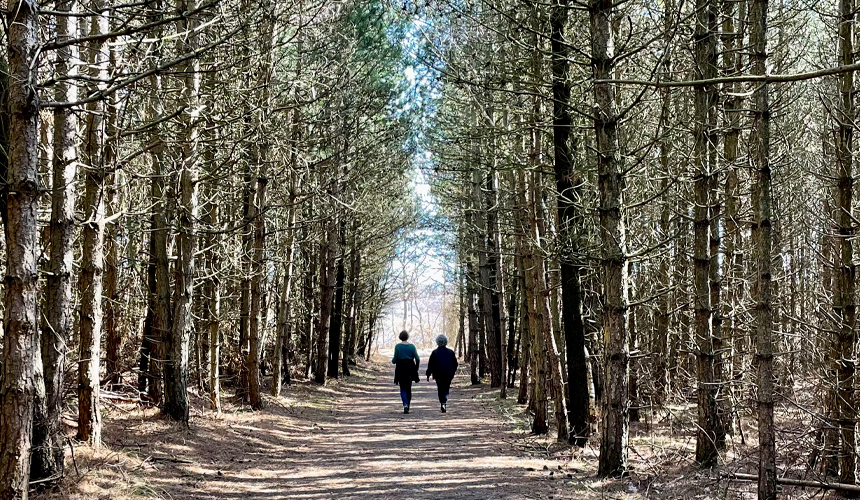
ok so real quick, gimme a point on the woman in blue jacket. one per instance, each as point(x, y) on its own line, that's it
point(405, 363)
point(442, 366)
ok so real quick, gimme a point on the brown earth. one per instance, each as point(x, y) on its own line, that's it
point(351, 440)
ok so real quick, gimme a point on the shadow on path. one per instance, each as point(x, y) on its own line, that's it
point(361, 446)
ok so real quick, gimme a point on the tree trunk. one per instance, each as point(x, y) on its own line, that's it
point(212, 291)
point(364, 342)
point(844, 306)
point(733, 236)
point(569, 219)
point(370, 331)
point(58, 296)
point(494, 282)
point(661, 323)
point(460, 346)
point(354, 299)
point(633, 332)
point(708, 435)
point(497, 348)
point(20, 338)
point(336, 324)
point(661, 320)
point(176, 365)
point(485, 300)
point(281, 373)
point(542, 307)
point(113, 312)
point(610, 173)
point(310, 261)
point(40, 453)
point(92, 257)
point(328, 255)
point(511, 350)
point(525, 334)
point(540, 424)
point(249, 215)
point(256, 318)
point(762, 248)
point(471, 294)
point(113, 333)
point(472, 281)
point(153, 347)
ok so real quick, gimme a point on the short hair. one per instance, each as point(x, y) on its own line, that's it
point(441, 341)
point(404, 335)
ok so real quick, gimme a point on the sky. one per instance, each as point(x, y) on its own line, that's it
point(421, 264)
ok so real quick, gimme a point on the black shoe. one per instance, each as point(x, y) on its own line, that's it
point(443, 408)
point(405, 409)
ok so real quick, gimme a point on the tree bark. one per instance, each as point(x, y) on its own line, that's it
point(159, 314)
point(542, 307)
point(281, 373)
point(256, 319)
point(460, 346)
point(511, 349)
point(540, 424)
point(353, 299)
point(310, 260)
point(113, 312)
point(176, 365)
point(472, 283)
point(485, 300)
point(471, 293)
point(661, 320)
point(20, 323)
point(113, 334)
point(708, 436)
point(525, 336)
point(328, 255)
point(845, 339)
point(494, 266)
point(498, 346)
point(335, 332)
point(58, 297)
point(733, 236)
point(610, 173)
point(92, 257)
point(212, 291)
point(249, 215)
point(569, 219)
point(762, 248)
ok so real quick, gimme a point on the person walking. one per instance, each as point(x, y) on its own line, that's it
point(442, 366)
point(406, 364)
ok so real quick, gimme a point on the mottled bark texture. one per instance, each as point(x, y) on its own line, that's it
point(567, 182)
point(20, 324)
point(762, 245)
point(610, 187)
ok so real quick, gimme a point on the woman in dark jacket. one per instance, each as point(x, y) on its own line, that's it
point(442, 366)
point(405, 363)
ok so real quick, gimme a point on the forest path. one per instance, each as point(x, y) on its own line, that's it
point(358, 445)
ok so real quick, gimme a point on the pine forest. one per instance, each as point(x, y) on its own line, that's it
point(619, 235)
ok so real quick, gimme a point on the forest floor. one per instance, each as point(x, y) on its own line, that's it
point(351, 440)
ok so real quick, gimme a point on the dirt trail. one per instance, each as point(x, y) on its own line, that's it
point(358, 445)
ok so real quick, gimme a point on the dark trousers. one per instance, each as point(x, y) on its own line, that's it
point(443, 386)
point(406, 391)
